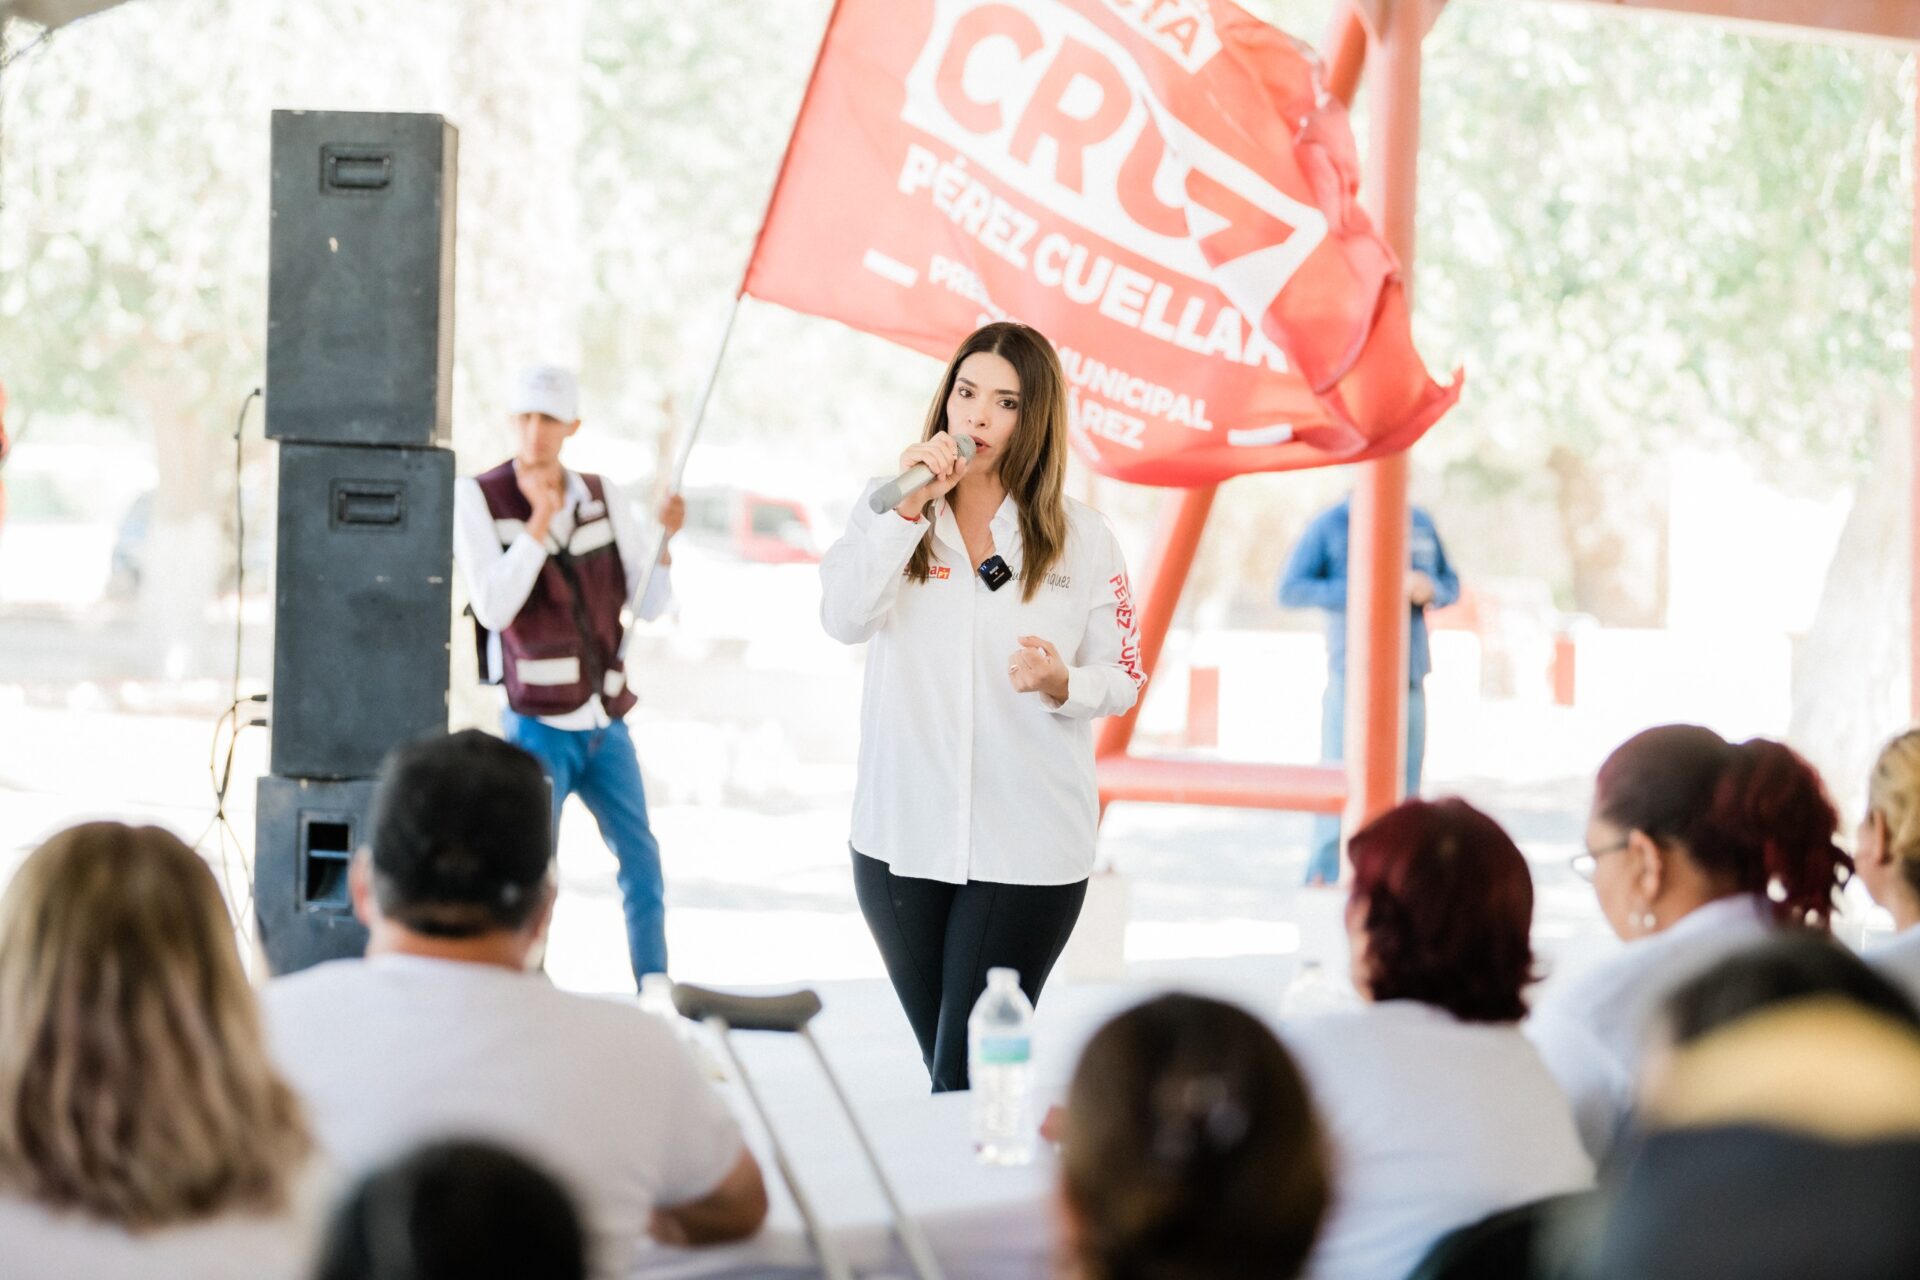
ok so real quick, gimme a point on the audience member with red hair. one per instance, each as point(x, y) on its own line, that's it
point(1438, 1111)
point(1696, 848)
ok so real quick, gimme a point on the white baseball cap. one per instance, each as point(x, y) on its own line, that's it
point(548, 389)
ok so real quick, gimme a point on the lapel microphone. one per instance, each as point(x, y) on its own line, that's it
point(994, 572)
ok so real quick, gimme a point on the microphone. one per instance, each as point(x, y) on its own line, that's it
point(889, 495)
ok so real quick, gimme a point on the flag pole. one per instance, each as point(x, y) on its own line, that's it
point(685, 451)
point(679, 471)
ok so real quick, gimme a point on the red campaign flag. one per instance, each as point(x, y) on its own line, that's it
point(1134, 178)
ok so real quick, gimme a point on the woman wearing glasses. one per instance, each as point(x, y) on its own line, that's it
point(1696, 847)
point(999, 624)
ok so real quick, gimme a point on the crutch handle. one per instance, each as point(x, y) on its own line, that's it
point(789, 1012)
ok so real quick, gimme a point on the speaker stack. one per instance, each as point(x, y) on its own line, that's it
point(359, 390)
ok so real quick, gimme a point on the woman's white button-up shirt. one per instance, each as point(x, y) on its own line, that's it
point(960, 776)
point(1591, 1031)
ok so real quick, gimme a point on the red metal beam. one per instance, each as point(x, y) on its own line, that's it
point(1878, 19)
point(1315, 788)
point(1175, 541)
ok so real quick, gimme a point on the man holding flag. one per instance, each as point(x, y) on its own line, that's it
point(550, 558)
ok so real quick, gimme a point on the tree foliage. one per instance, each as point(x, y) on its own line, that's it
point(1637, 230)
point(687, 113)
point(1634, 232)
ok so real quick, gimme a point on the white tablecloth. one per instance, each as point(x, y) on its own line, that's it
point(979, 1221)
point(982, 1221)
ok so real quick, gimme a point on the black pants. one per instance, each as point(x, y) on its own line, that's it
point(938, 941)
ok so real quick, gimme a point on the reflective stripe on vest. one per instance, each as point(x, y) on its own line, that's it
point(548, 671)
point(590, 537)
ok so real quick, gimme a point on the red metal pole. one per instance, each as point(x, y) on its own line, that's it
point(1913, 499)
point(1376, 582)
point(1377, 641)
point(1344, 52)
point(1174, 542)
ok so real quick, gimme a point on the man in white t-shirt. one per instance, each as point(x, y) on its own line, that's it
point(443, 1031)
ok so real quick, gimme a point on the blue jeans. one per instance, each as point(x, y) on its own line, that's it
point(1324, 865)
point(600, 767)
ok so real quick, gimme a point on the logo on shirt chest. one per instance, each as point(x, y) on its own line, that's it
point(939, 572)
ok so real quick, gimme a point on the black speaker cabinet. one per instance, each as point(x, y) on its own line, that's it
point(306, 833)
point(362, 605)
point(360, 278)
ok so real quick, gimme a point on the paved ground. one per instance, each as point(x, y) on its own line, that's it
point(758, 885)
point(748, 750)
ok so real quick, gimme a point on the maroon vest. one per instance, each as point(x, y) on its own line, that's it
point(564, 644)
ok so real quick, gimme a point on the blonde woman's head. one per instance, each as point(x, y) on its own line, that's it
point(1887, 853)
point(134, 1081)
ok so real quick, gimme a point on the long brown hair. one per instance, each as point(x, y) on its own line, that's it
point(1034, 464)
point(1191, 1148)
point(134, 1079)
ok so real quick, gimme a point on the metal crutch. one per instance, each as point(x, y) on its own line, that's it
point(792, 1012)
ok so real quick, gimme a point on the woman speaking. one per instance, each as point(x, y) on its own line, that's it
point(1001, 624)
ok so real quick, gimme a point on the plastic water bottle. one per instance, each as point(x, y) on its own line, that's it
point(1000, 1069)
